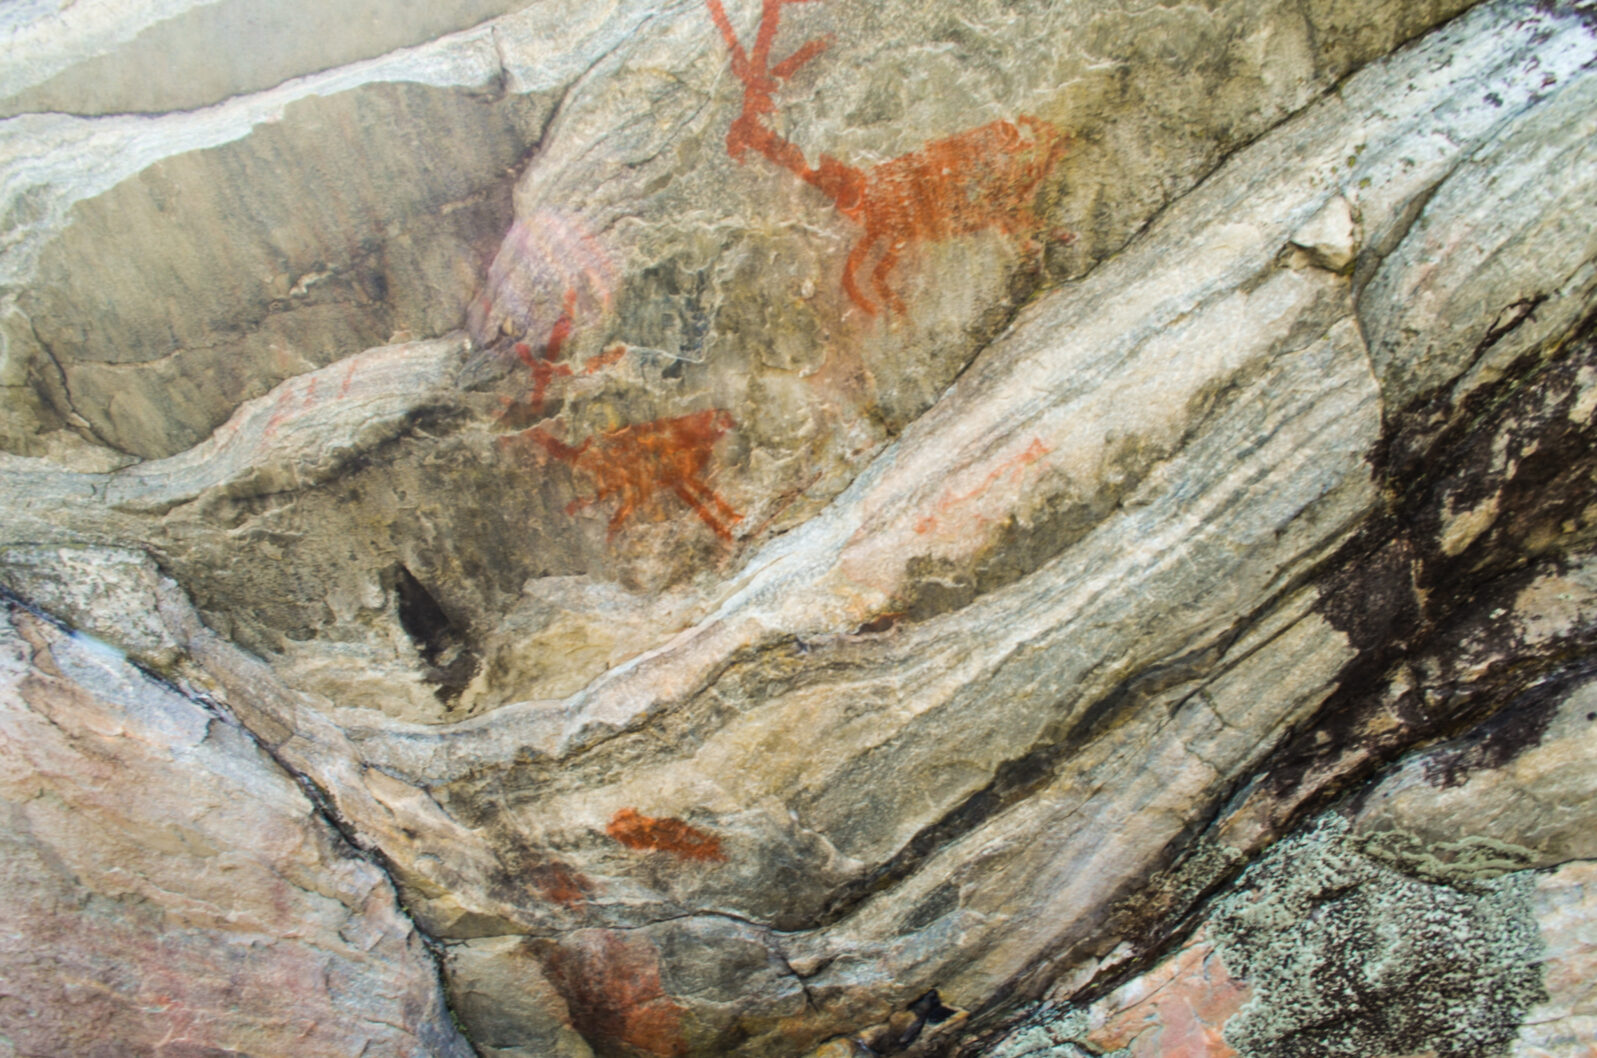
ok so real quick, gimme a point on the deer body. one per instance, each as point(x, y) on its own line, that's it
point(636, 462)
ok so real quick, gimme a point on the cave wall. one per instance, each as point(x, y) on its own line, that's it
point(799, 528)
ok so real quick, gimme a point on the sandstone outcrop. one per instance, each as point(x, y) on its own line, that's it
point(808, 527)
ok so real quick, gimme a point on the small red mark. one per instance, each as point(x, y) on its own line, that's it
point(542, 365)
point(349, 376)
point(636, 462)
point(605, 359)
point(667, 835)
point(1016, 465)
point(985, 177)
point(281, 409)
point(557, 882)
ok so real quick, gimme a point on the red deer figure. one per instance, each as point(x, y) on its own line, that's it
point(986, 177)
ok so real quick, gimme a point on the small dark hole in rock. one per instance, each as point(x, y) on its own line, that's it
point(930, 1008)
point(441, 644)
point(421, 617)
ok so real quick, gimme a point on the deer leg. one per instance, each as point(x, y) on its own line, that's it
point(629, 503)
point(856, 257)
point(740, 61)
point(709, 496)
point(879, 277)
point(702, 511)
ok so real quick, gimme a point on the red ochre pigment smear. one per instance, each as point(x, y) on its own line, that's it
point(542, 365)
point(605, 359)
point(637, 462)
point(559, 884)
point(667, 835)
point(611, 984)
point(986, 177)
point(1015, 466)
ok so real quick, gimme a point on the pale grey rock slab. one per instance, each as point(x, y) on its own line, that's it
point(207, 284)
point(168, 885)
point(119, 56)
point(1526, 205)
point(1566, 1021)
point(1534, 809)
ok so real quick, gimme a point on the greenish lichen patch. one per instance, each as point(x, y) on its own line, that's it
point(1349, 956)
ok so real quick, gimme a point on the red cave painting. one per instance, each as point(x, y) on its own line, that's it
point(665, 835)
point(605, 359)
point(611, 984)
point(637, 462)
point(558, 883)
point(1013, 467)
point(545, 365)
point(985, 177)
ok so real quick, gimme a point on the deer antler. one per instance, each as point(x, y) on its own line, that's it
point(760, 80)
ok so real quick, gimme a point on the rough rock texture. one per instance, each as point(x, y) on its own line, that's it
point(936, 529)
point(1436, 912)
point(171, 890)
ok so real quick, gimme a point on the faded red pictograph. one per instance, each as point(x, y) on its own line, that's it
point(544, 364)
point(558, 883)
point(667, 834)
point(1014, 468)
point(612, 987)
point(636, 463)
point(986, 177)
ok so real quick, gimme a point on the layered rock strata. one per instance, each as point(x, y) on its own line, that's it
point(827, 527)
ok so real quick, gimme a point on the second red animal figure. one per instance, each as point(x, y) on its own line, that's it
point(636, 462)
point(986, 177)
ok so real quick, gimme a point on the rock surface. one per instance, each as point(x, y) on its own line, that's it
point(171, 890)
point(1036, 528)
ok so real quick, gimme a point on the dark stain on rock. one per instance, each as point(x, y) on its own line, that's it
point(1439, 654)
point(1409, 590)
point(933, 906)
point(1519, 726)
point(901, 1032)
point(665, 308)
